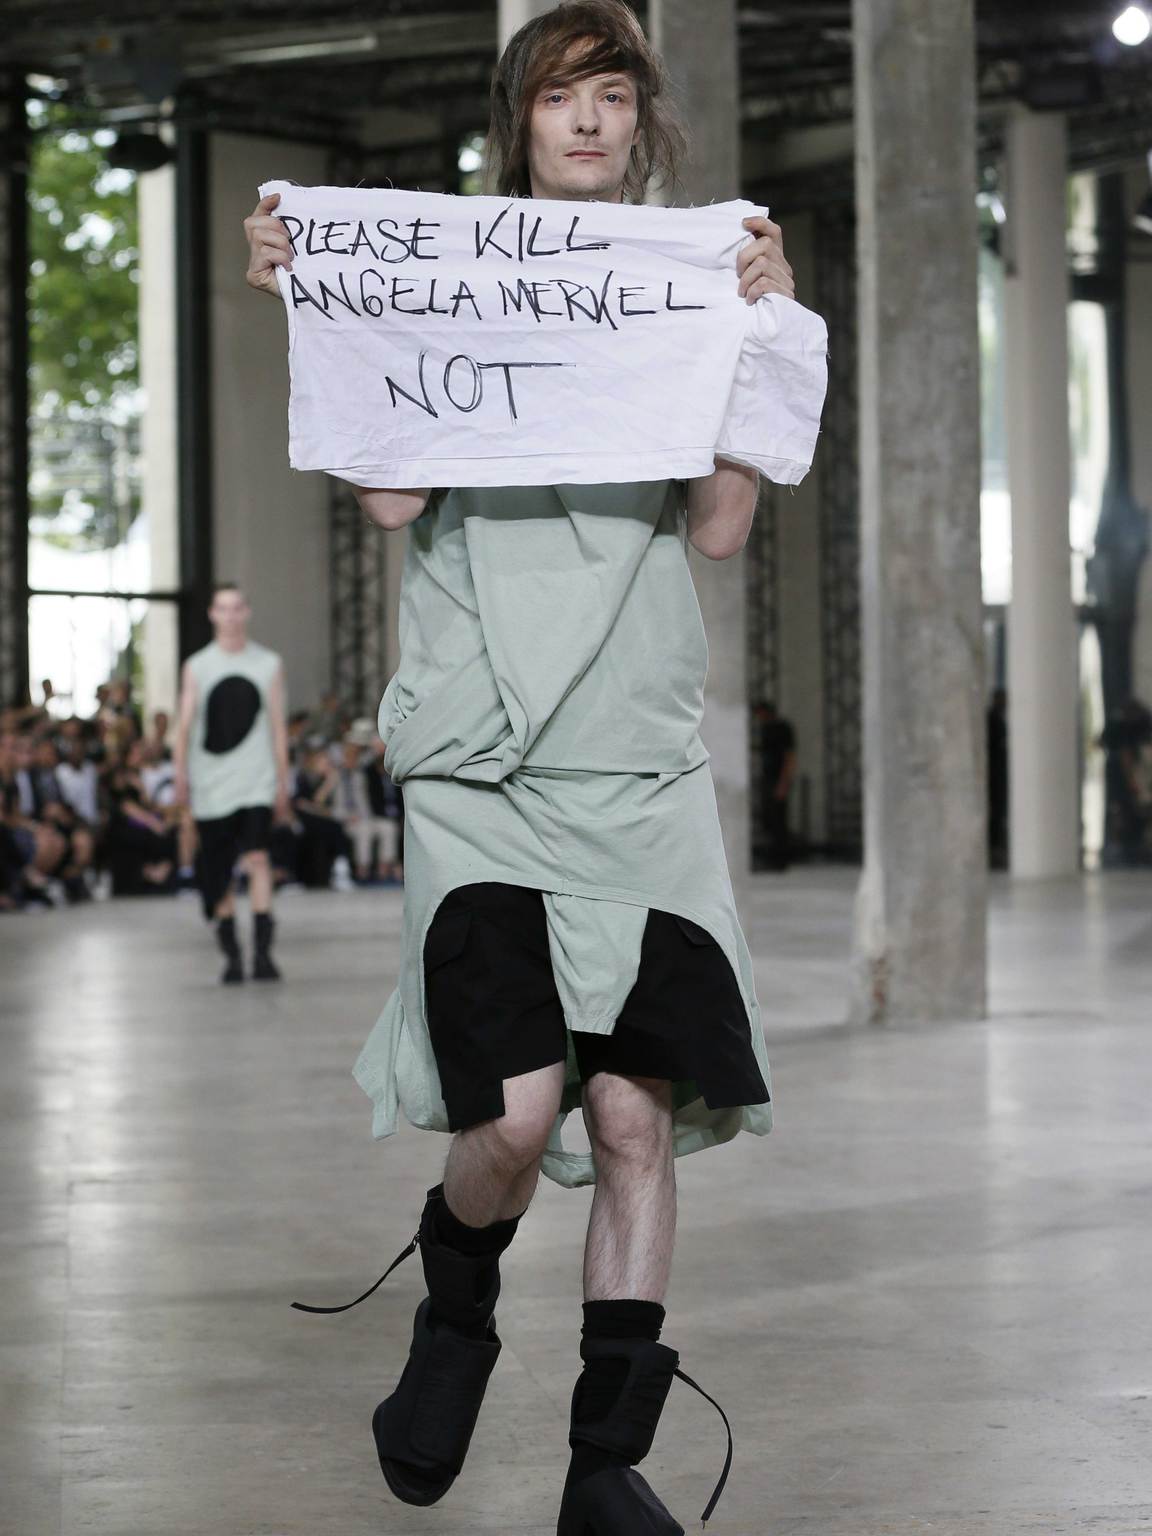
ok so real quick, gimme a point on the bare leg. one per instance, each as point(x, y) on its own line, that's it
point(493, 1168)
point(226, 906)
point(259, 880)
point(632, 1229)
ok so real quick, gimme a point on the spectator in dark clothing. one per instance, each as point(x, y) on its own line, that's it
point(33, 849)
point(322, 836)
point(158, 737)
point(52, 807)
point(998, 780)
point(118, 706)
point(387, 804)
point(1128, 790)
point(141, 846)
point(777, 743)
point(79, 780)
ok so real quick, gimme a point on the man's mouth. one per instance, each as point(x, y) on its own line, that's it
point(585, 154)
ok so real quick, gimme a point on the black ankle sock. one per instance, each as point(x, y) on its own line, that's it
point(476, 1242)
point(602, 1380)
point(623, 1320)
point(484, 1244)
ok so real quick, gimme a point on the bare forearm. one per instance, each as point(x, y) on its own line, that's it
point(391, 509)
point(720, 509)
point(280, 749)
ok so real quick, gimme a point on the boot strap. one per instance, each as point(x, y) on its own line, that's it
point(407, 1253)
point(719, 1488)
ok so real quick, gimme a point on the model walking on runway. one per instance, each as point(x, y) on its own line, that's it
point(232, 769)
point(571, 934)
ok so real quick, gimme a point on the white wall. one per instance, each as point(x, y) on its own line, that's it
point(271, 522)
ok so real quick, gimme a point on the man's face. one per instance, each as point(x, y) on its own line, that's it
point(229, 614)
point(580, 137)
point(160, 722)
point(351, 755)
point(46, 755)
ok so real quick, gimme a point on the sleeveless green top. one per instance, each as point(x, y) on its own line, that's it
point(231, 759)
point(544, 722)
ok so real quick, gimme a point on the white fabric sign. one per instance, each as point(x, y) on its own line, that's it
point(475, 341)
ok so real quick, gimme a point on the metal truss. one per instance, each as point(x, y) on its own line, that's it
point(839, 472)
point(358, 601)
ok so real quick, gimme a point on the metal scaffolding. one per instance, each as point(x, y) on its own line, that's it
point(762, 643)
point(359, 603)
point(839, 471)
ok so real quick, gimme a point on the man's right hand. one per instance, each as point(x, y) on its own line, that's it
point(268, 246)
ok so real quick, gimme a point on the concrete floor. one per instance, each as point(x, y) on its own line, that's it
point(924, 1300)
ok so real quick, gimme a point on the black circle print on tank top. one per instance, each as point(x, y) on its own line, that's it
point(230, 714)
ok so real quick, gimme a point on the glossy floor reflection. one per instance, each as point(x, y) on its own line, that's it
point(923, 1300)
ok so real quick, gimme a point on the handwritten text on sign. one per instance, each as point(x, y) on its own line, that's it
point(513, 237)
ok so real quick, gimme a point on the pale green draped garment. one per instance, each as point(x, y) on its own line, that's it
point(544, 722)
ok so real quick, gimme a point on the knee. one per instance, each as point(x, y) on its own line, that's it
point(50, 845)
point(518, 1139)
point(628, 1125)
point(257, 859)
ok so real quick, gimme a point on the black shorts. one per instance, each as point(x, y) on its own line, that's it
point(494, 1011)
point(222, 841)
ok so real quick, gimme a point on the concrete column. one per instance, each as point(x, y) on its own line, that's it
point(1139, 356)
point(1042, 640)
point(159, 476)
point(920, 917)
point(271, 522)
point(706, 81)
point(514, 13)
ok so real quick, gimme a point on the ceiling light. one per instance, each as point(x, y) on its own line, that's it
point(298, 52)
point(1132, 26)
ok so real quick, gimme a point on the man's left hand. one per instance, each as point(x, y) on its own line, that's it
point(761, 264)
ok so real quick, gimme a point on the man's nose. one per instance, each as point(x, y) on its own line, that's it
point(586, 119)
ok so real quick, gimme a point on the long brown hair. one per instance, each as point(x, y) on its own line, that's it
point(575, 41)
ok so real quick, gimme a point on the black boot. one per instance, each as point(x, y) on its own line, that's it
point(263, 966)
point(613, 1499)
point(230, 947)
point(424, 1429)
